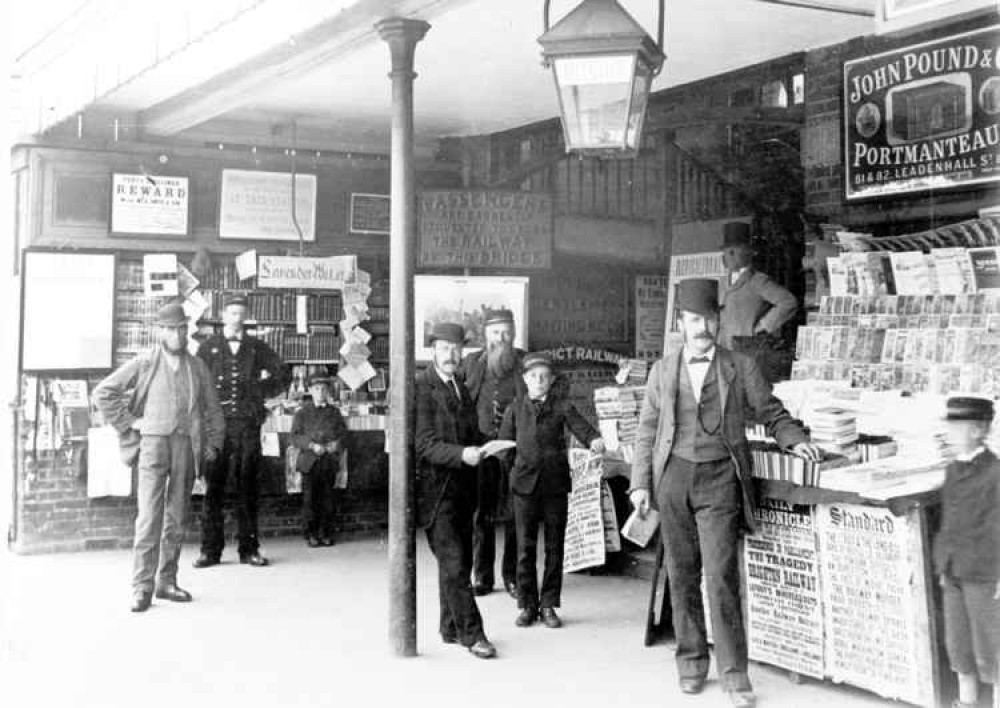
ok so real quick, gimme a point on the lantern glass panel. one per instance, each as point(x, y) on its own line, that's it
point(594, 92)
point(637, 107)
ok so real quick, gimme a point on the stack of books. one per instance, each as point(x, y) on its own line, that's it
point(632, 372)
point(771, 462)
point(876, 447)
point(834, 430)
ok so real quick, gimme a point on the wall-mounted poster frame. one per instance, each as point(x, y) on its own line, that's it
point(895, 15)
point(150, 205)
point(257, 205)
point(465, 299)
point(369, 214)
point(67, 310)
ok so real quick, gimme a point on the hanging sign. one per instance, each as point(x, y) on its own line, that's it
point(923, 117)
point(303, 272)
point(485, 228)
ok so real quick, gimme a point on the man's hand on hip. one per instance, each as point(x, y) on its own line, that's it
point(640, 500)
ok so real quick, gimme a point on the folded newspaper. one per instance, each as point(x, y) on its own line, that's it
point(639, 530)
point(495, 447)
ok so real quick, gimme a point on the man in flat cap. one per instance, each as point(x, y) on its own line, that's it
point(493, 379)
point(692, 462)
point(753, 303)
point(164, 401)
point(446, 439)
point(245, 371)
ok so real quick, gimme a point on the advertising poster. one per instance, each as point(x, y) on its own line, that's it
point(650, 315)
point(585, 539)
point(923, 117)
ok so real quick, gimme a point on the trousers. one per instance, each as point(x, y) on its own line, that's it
point(972, 628)
point(238, 462)
point(318, 503)
point(450, 539)
point(700, 514)
point(550, 511)
point(493, 502)
point(163, 493)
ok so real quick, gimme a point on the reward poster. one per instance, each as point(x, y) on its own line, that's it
point(923, 117)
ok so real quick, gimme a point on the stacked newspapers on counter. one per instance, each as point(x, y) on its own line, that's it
point(618, 419)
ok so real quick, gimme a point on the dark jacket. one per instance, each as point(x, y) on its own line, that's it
point(243, 398)
point(741, 387)
point(473, 373)
point(313, 424)
point(968, 545)
point(540, 460)
point(444, 426)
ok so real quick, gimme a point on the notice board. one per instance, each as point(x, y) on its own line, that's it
point(68, 305)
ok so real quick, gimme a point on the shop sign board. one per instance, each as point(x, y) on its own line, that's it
point(923, 117)
point(258, 205)
point(291, 272)
point(151, 205)
point(781, 565)
point(485, 228)
point(650, 315)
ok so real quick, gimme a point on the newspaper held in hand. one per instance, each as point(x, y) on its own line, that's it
point(495, 447)
point(639, 530)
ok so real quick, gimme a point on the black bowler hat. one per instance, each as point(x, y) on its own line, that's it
point(735, 233)
point(235, 299)
point(500, 316)
point(698, 295)
point(534, 359)
point(319, 379)
point(448, 331)
point(969, 408)
point(171, 315)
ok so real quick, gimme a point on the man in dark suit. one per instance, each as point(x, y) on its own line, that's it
point(492, 377)
point(693, 461)
point(245, 371)
point(445, 441)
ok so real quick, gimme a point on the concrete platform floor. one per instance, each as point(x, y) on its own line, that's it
point(311, 630)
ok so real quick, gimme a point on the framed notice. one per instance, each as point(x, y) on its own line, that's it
point(150, 205)
point(256, 205)
point(894, 15)
point(445, 298)
point(485, 228)
point(68, 307)
point(923, 117)
point(370, 214)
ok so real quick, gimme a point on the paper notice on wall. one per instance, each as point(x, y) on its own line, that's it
point(195, 306)
point(348, 323)
point(363, 277)
point(355, 376)
point(70, 392)
point(107, 475)
point(359, 334)
point(159, 274)
point(246, 264)
point(355, 353)
point(584, 542)
point(781, 564)
point(356, 312)
point(186, 282)
point(302, 314)
point(355, 293)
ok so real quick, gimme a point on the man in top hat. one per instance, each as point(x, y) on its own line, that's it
point(494, 381)
point(245, 371)
point(164, 400)
point(446, 439)
point(692, 462)
point(752, 303)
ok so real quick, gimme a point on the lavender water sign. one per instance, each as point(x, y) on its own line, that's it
point(923, 117)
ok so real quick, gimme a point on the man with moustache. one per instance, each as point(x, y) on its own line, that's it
point(493, 379)
point(164, 401)
point(445, 440)
point(693, 462)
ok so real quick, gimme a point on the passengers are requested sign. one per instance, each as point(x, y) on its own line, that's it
point(923, 117)
point(485, 228)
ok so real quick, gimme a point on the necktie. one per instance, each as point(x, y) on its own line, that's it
point(699, 360)
point(454, 390)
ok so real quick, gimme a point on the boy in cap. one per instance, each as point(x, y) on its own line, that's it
point(318, 431)
point(967, 550)
point(540, 483)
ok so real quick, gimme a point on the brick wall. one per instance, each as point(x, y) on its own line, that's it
point(823, 144)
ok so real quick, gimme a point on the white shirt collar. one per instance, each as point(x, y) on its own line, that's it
point(688, 355)
point(972, 455)
point(447, 378)
point(737, 274)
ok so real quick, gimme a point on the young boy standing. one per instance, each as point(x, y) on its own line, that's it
point(540, 484)
point(318, 431)
point(967, 550)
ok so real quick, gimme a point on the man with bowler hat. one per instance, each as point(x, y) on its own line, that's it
point(446, 439)
point(245, 371)
point(752, 303)
point(692, 462)
point(164, 401)
point(493, 379)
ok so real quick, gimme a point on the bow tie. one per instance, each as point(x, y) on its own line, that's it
point(234, 339)
point(699, 360)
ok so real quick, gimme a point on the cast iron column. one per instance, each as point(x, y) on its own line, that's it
point(402, 36)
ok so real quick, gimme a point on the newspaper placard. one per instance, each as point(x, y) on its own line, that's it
point(685, 267)
point(868, 589)
point(584, 546)
point(785, 618)
point(650, 315)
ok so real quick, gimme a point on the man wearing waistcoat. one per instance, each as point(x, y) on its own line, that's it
point(245, 371)
point(692, 462)
point(166, 398)
point(752, 304)
point(493, 379)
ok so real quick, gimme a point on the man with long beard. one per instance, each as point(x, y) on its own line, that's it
point(492, 377)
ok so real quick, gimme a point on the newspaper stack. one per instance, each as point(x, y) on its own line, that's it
point(834, 430)
point(632, 372)
point(618, 417)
